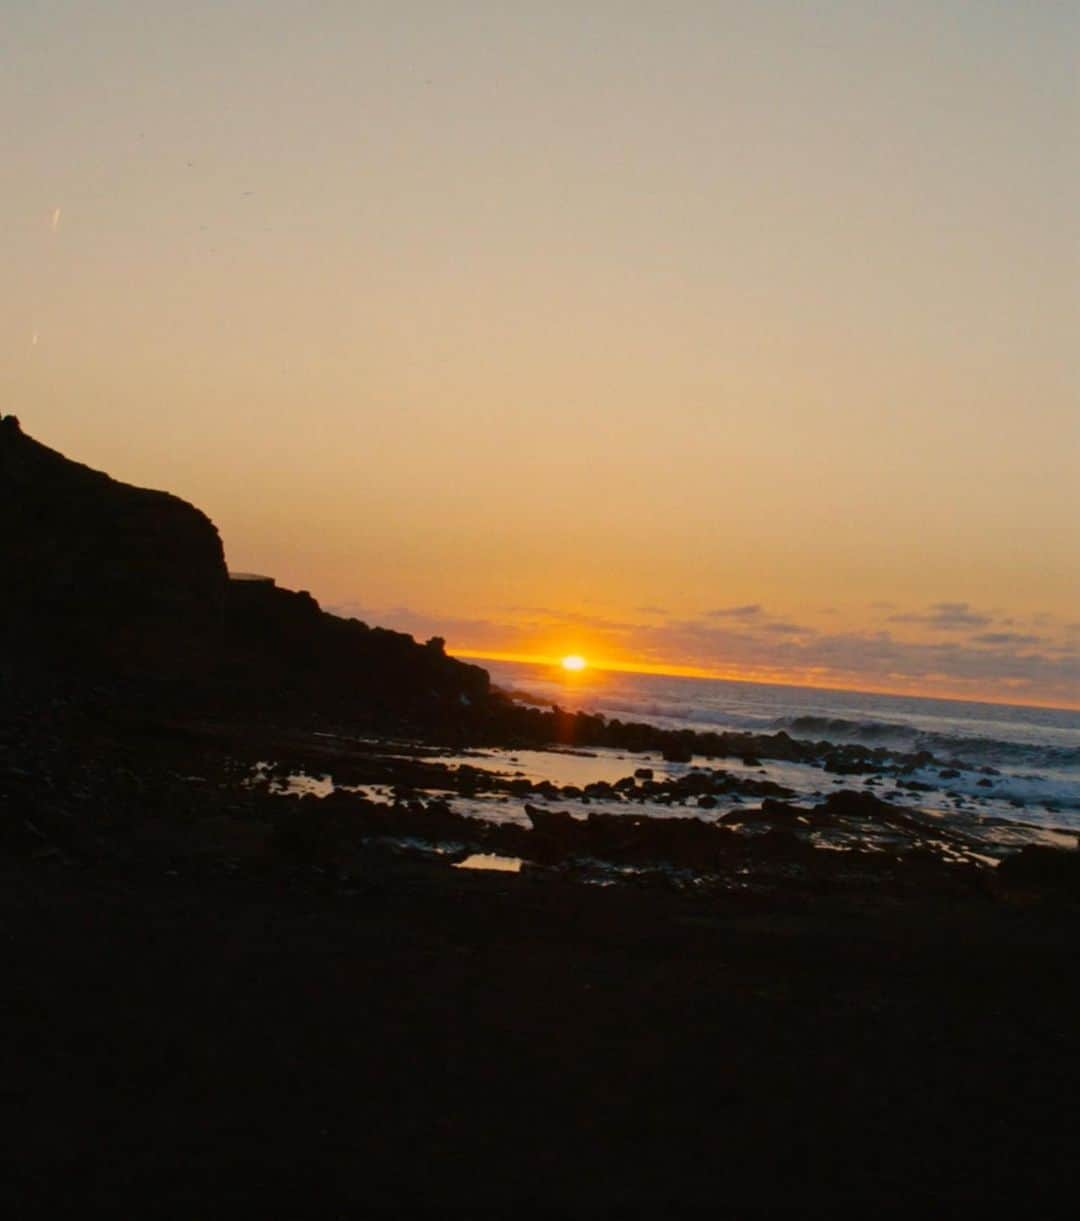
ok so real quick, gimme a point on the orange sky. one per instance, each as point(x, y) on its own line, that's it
point(579, 327)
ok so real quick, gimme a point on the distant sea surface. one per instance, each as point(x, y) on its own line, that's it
point(1036, 751)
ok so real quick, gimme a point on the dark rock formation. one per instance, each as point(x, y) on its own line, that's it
point(280, 641)
point(858, 805)
point(108, 580)
point(99, 574)
point(1038, 867)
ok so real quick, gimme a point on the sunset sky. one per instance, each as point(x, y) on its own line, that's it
point(728, 336)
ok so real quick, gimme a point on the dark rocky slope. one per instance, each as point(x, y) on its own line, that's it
point(100, 575)
point(280, 644)
point(105, 581)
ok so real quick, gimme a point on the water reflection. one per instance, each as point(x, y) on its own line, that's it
point(491, 860)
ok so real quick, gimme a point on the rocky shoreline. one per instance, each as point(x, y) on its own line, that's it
point(308, 1020)
point(103, 779)
point(222, 995)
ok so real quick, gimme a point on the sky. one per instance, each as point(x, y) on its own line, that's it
point(732, 337)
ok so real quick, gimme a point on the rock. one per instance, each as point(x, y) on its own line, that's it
point(852, 760)
point(644, 773)
point(777, 844)
point(780, 809)
point(1040, 867)
point(854, 804)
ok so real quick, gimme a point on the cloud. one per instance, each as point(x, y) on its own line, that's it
point(1013, 638)
point(871, 658)
point(948, 616)
point(652, 610)
point(751, 611)
point(780, 628)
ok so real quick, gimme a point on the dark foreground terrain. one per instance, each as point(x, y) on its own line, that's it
point(466, 1042)
point(199, 1016)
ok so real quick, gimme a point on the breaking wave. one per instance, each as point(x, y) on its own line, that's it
point(974, 749)
point(688, 716)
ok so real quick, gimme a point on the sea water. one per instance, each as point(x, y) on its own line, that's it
point(1030, 756)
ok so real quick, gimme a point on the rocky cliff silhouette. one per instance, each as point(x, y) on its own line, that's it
point(100, 575)
point(106, 580)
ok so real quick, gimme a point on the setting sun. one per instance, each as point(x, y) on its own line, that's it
point(573, 662)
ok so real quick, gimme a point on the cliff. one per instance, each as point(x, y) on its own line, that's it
point(100, 575)
point(109, 580)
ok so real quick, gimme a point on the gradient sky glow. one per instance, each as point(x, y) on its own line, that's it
point(733, 336)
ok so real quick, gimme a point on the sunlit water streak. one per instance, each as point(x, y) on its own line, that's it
point(491, 861)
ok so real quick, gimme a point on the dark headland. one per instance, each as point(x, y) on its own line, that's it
point(218, 994)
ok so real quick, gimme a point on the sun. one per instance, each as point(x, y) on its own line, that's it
point(574, 662)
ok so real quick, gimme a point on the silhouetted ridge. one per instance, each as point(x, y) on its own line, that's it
point(112, 581)
point(102, 575)
point(281, 640)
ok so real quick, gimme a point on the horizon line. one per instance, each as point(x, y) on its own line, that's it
point(677, 671)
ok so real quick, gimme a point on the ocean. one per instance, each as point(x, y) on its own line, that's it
point(1019, 764)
